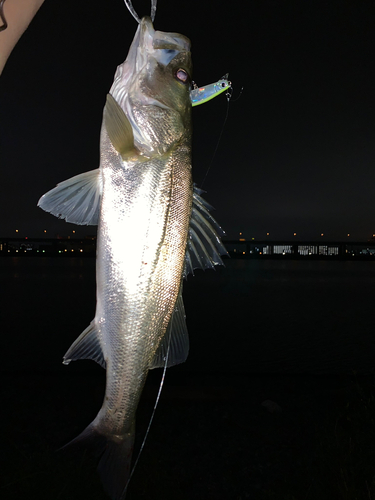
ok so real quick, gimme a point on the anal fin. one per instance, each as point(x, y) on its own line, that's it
point(86, 346)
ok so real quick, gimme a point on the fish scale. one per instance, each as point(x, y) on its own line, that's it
point(153, 229)
point(141, 315)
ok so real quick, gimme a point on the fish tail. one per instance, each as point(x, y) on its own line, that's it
point(115, 455)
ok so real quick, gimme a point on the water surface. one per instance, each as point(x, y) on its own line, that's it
point(251, 316)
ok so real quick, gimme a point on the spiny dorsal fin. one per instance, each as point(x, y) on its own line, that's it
point(204, 245)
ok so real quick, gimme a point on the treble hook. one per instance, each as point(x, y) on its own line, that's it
point(132, 11)
point(229, 94)
point(2, 16)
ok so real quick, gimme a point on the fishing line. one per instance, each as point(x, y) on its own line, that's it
point(229, 95)
point(153, 411)
point(2, 16)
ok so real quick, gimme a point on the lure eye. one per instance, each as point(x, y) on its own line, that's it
point(223, 85)
point(182, 76)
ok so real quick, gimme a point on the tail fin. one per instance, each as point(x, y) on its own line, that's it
point(115, 452)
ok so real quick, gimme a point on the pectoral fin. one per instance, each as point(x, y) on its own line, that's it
point(76, 200)
point(176, 337)
point(119, 129)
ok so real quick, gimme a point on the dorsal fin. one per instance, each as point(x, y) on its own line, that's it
point(176, 337)
point(204, 245)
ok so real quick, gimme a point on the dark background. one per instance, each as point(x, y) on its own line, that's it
point(297, 150)
point(296, 156)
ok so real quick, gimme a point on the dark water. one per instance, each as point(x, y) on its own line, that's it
point(259, 330)
point(252, 316)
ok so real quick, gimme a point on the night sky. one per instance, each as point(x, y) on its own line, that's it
point(297, 151)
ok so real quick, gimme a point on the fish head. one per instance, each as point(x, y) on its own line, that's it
point(169, 71)
point(153, 87)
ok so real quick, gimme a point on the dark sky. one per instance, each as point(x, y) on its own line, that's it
point(298, 149)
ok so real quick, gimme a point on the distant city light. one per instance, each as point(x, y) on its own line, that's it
point(348, 234)
point(321, 234)
point(294, 234)
point(16, 230)
point(74, 232)
point(45, 231)
point(268, 234)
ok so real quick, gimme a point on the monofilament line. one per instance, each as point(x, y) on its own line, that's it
point(153, 411)
point(218, 142)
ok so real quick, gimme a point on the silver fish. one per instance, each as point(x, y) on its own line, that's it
point(153, 229)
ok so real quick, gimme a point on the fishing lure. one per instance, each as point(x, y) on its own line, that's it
point(200, 95)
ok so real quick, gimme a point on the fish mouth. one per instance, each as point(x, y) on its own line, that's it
point(160, 39)
point(146, 36)
point(146, 42)
point(134, 87)
point(168, 43)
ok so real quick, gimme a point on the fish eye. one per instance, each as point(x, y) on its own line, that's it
point(223, 85)
point(182, 75)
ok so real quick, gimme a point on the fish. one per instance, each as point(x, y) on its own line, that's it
point(154, 228)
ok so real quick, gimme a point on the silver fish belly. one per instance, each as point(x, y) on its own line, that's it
point(142, 240)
